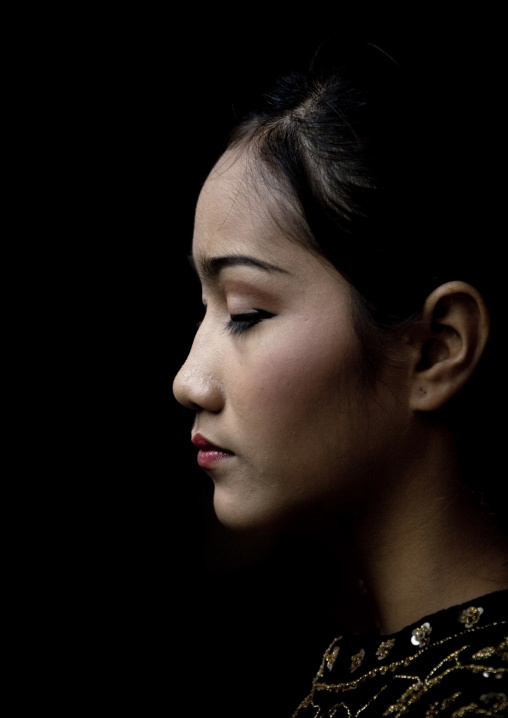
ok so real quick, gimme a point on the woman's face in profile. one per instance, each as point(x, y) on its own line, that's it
point(283, 418)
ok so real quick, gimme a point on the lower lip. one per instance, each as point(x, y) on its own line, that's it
point(207, 459)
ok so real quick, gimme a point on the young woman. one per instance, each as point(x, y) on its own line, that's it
point(343, 373)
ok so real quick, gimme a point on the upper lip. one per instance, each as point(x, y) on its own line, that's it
point(201, 443)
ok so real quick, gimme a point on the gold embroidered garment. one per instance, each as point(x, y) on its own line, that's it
point(451, 664)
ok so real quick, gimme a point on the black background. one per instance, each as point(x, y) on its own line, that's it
point(145, 602)
point(159, 608)
point(239, 625)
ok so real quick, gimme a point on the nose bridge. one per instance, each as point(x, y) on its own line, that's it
point(197, 385)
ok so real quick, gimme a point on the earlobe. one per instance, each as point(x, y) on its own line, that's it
point(448, 341)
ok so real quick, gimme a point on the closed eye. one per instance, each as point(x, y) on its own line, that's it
point(239, 323)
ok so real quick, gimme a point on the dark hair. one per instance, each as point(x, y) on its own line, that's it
point(378, 152)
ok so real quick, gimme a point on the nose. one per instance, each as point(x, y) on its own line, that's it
point(197, 385)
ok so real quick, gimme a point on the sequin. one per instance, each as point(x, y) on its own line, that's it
point(421, 636)
point(502, 650)
point(490, 698)
point(384, 649)
point(407, 698)
point(331, 658)
point(470, 616)
point(490, 673)
point(484, 653)
point(356, 660)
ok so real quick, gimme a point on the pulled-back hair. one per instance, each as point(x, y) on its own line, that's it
point(377, 151)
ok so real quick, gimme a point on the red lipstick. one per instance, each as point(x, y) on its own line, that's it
point(209, 454)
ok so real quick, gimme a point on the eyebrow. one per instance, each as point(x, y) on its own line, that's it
point(210, 267)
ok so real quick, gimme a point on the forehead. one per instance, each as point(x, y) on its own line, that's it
point(240, 212)
point(237, 211)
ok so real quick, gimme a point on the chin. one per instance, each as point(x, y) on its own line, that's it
point(251, 517)
point(241, 519)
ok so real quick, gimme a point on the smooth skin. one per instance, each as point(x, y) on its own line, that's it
point(284, 395)
point(274, 379)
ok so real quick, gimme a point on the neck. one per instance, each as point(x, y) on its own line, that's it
point(422, 545)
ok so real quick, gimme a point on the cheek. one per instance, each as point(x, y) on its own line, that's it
point(294, 375)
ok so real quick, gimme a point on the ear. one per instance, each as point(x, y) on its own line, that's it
point(447, 343)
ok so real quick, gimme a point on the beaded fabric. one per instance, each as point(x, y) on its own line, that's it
point(451, 664)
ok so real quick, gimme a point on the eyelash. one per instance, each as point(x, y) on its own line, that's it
point(239, 323)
